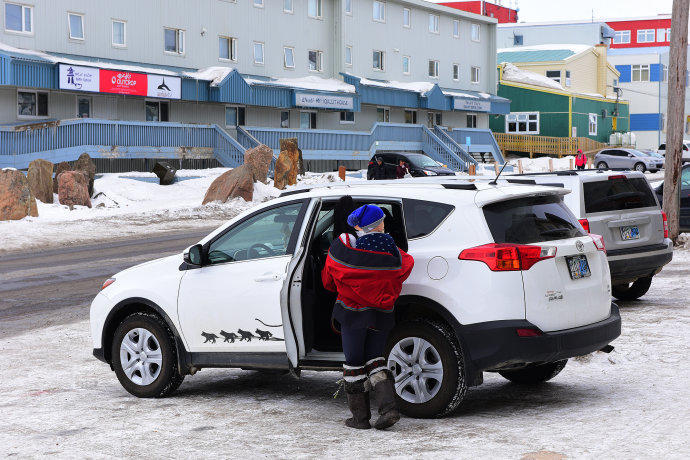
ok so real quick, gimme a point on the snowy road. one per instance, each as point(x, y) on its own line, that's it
point(56, 399)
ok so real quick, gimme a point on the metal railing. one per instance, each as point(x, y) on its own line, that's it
point(453, 146)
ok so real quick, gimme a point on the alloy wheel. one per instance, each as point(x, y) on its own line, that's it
point(141, 356)
point(417, 368)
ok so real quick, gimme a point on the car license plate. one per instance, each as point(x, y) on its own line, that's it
point(630, 232)
point(578, 267)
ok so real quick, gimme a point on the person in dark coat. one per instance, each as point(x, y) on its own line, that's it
point(401, 169)
point(367, 272)
point(377, 170)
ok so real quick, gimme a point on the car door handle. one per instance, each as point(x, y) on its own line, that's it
point(269, 277)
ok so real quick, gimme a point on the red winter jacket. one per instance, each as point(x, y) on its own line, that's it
point(365, 279)
point(581, 159)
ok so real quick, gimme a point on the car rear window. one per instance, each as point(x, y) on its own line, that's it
point(531, 220)
point(617, 194)
point(422, 217)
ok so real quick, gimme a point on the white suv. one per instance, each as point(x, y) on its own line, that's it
point(505, 280)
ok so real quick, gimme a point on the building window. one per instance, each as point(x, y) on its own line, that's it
point(307, 120)
point(640, 72)
point(434, 119)
point(174, 40)
point(406, 18)
point(287, 6)
point(347, 117)
point(227, 48)
point(83, 107)
point(522, 123)
point(258, 53)
point(474, 74)
point(234, 116)
point(259, 3)
point(19, 18)
point(661, 35)
point(157, 111)
point(645, 36)
point(379, 11)
point(383, 114)
point(76, 26)
point(348, 6)
point(32, 104)
point(567, 78)
point(621, 37)
point(456, 72)
point(406, 65)
point(348, 55)
point(315, 60)
point(517, 40)
point(285, 119)
point(377, 60)
point(411, 117)
point(288, 57)
point(668, 35)
point(592, 124)
point(471, 120)
point(664, 73)
point(314, 9)
point(456, 28)
point(433, 23)
point(119, 38)
point(476, 32)
point(433, 68)
point(554, 75)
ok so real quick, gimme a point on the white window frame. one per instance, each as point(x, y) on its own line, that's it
point(292, 52)
point(436, 68)
point(347, 7)
point(646, 34)
point(621, 37)
point(472, 116)
point(476, 37)
point(76, 105)
point(319, 9)
point(514, 117)
point(434, 23)
point(232, 48)
point(382, 10)
point(407, 11)
point(310, 112)
point(263, 53)
point(112, 33)
point(319, 62)
point(179, 41)
point(386, 114)
point(593, 121)
point(382, 60)
point(35, 92)
point(258, 3)
point(237, 115)
point(568, 80)
point(414, 116)
point(456, 28)
point(348, 49)
point(661, 35)
point(478, 74)
point(69, 26)
point(640, 69)
point(409, 65)
point(292, 7)
point(346, 122)
point(23, 30)
point(668, 34)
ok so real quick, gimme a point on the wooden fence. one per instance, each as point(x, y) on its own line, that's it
point(546, 145)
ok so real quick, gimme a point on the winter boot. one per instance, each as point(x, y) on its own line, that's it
point(357, 397)
point(382, 383)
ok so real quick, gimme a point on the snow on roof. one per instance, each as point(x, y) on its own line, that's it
point(512, 73)
point(310, 82)
point(215, 74)
point(416, 86)
point(574, 47)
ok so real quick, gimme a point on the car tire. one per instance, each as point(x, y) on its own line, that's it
point(640, 167)
point(602, 165)
point(443, 351)
point(153, 376)
point(535, 373)
point(632, 291)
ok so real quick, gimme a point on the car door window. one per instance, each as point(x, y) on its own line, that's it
point(685, 179)
point(267, 234)
point(423, 217)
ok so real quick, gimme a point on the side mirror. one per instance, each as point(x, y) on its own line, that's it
point(195, 256)
point(630, 155)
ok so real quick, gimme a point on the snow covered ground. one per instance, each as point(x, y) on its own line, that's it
point(633, 403)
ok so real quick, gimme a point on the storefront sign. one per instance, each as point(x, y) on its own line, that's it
point(324, 102)
point(471, 105)
point(78, 78)
point(120, 82)
point(165, 87)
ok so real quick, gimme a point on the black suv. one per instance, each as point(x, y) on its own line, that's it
point(419, 164)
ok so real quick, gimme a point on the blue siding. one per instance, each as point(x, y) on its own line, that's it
point(33, 74)
point(645, 122)
point(4, 69)
point(655, 72)
point(194, 90)
point(625, 73)
point(436, 100)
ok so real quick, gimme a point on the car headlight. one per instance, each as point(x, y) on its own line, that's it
point(429, 173)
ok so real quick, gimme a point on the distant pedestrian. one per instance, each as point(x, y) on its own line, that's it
point(401, 170)
point(580, 159)
point(377, 170)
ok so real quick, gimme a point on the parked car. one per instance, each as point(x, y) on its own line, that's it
point(686, 150)
point(621, 207)
point(633, 159)
point(684, 198)
point(654, 154)
point(505, 280)
point(420, 165)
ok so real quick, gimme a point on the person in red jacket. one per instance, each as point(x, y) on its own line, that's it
point(367, 272)
point(401, 169)
point(580, 159)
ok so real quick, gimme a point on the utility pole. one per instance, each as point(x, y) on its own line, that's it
point(676, 111)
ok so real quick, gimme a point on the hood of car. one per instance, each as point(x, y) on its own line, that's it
point(437, 169)
point(153, 267)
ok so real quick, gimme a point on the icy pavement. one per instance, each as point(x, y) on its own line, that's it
point(56, 399)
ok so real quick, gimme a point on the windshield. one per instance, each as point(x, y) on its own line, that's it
point(422, 161)
point(638, 153)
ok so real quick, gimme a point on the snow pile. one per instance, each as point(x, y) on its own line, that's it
point(416, 86)
point(512, 73)
point(541, 164)
point(311, 82)
point(215, 74)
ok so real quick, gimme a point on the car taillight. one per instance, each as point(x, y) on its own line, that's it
point(665, 223)
point(598, 242)
point(107, 283)
point(585, 224)
point(508, 257)
point(618, 176)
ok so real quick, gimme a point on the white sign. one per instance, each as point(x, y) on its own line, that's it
point(164, 86)
point(471, 105)
point(79, 78)
point(324, 102)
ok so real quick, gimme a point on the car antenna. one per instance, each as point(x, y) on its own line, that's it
point(493, 182)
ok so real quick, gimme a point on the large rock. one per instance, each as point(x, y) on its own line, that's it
point(40, 177)
point(290, 145)
point(258, 160)
point(286, 170)
point(73, 189)
point(238, 182)
point(61, 167)
point(16, 201)
point(85, 164)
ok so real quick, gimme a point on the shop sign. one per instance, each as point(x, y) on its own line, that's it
point(471, 105)
point(120, 82)
point(164, 87)
point(324, 101)
point(78, 78)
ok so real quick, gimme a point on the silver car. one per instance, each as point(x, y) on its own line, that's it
point(623, 158)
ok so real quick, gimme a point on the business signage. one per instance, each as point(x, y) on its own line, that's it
point(471, 105)
point(80, 78)
point(324, 102)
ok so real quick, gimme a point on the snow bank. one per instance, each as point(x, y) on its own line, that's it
point(512, 73)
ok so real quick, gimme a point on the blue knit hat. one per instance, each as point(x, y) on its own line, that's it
point(368, 217)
